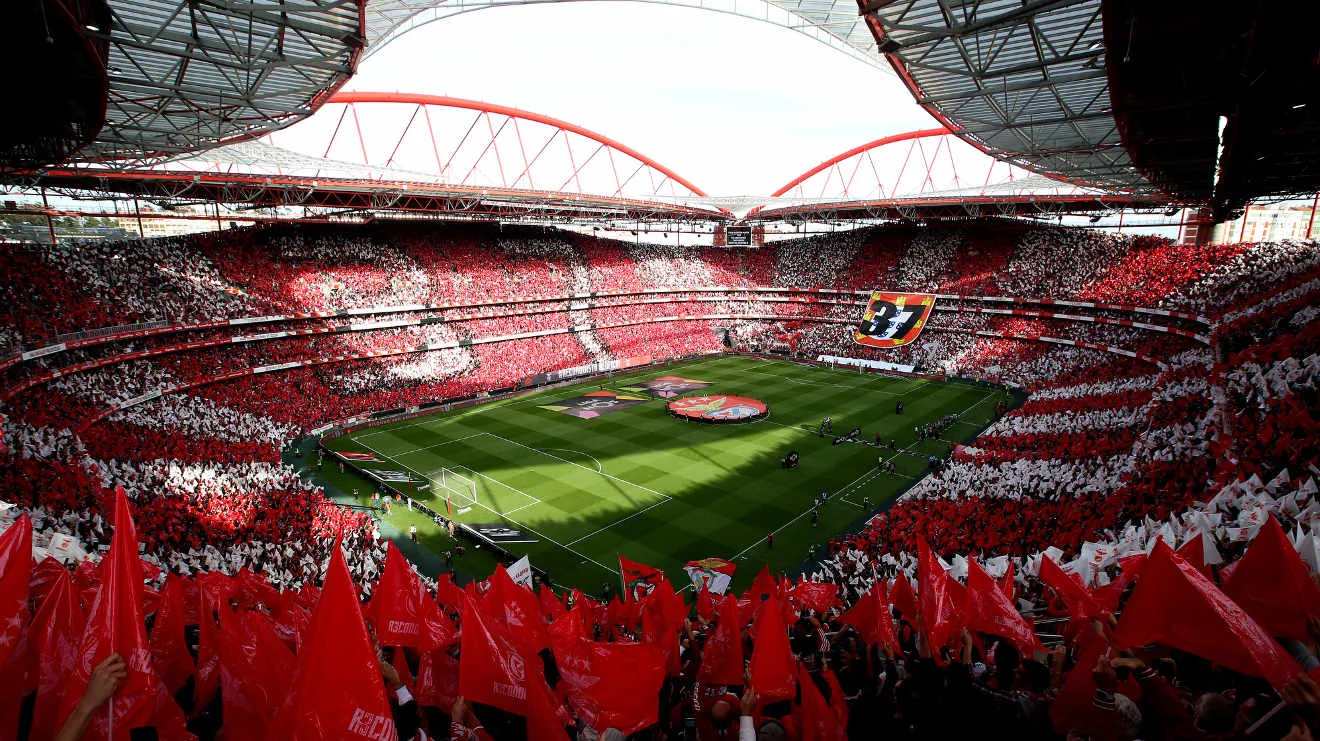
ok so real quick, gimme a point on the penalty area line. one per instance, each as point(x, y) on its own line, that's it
point(521, 526)
point(579, 465)
point(620, 521)
point(847, 487)
point(599, 468)
point(437, 445)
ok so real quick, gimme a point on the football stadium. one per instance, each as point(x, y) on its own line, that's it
point(665, 370)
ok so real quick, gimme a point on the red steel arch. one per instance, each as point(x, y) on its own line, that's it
point(831, 162)
point(515, 167)
point(935, 162)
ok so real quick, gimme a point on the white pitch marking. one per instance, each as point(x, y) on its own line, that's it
point(579, 465)
point(438, 445)
point(616, 522)
point(513, 521)
point(599, 468)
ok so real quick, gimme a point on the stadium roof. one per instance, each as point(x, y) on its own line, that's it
point(1027, 81)
point(188, 75)
point(1022, 79)
point(835, 23)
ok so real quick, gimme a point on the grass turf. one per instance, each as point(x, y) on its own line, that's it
point(640, 483)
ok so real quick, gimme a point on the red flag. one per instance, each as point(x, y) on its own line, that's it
point(707, 601)
point(610, 685)
point(722, 662)
point(903, 598)
point(815, 596)
point(336, 690)
point(17, 671)
point(115, 625)
point(625, 614)
point(404, 613)
point(1193, 552)
point(1081, 604)
point(838, 702)
point(437, 679)
point(56, 632)
point(591, 613)
point(751, 613)
point(1174, 604)
point(819, 721)
point(517, 610)
point(493, 670)
point(659, 631)
point(308, 596)
point(1109, 595)
point(446, 594)
point(208, 654)
point(762, 586)
point(1273, 585)
point(1006, 583)
point(773, 665)
point(670, 602)
point(291, 621)
point(400, 664)
point(168, 648)
point(1075, 702)
point(43, 579)
point(217, 587)
point(15, 577)
point(990, 611)
point(551, 606)
point(871, 617)
point(255, 667)
point(251, 590)
point(568, 625)
point(938, 611)
point(638, 578)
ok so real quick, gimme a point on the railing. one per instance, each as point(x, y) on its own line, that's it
point(90, 334)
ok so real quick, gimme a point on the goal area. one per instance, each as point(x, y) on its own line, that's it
point(459, 489)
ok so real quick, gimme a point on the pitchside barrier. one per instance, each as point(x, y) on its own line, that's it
point(503, 555)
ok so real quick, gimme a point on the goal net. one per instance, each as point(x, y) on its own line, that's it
point(459, 489)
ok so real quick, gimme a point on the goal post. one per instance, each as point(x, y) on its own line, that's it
point(459, 489)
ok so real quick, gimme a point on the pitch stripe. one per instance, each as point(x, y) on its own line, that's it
point(807, 382)
point(438, 445)
point(599, 468)
point(617, 522)
point(579, 465)
point(515, 522)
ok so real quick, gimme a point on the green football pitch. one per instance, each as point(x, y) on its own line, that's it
point(641, 483)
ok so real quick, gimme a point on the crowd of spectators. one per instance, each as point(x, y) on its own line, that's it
point(1108, 456)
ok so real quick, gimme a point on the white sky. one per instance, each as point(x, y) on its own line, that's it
point(736, 106)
